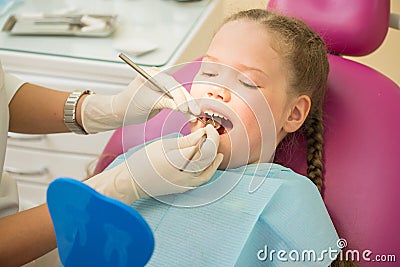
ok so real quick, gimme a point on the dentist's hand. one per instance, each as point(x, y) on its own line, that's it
point(154, 170)
point(107, 112)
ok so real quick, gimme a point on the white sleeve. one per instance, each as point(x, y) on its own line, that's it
point(11, 85)
point(9, 203)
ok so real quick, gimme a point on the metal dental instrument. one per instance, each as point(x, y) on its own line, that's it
point(152, 81)
point(213, 121)
point(196, 149)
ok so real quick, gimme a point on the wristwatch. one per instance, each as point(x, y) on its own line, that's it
point(70, 111)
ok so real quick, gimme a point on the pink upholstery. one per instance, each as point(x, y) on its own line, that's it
point(353, 28)
point(361, 157)
point(362, 125)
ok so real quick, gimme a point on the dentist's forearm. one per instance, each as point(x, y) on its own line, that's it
point(39, 110)
point(25, 236)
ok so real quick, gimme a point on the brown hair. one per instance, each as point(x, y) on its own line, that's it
point(305, 55)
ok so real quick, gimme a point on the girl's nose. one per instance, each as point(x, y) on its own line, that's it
point(219, 93)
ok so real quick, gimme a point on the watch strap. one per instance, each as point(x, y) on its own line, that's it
point(70, 111)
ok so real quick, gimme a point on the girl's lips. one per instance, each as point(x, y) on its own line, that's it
point(217, 113)
point(220, 122)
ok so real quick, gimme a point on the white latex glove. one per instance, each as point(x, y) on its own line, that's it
point(154, 170)
point(106, 112)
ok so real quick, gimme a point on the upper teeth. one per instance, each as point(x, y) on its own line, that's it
point(214, 114)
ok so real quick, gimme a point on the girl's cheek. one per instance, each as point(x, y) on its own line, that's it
point(196, 89)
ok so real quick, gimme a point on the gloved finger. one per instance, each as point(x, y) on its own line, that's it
point(205, 176)
point(193, 107)
point(178, 92)
point(190, 113)
point(197, 165)
point(212, 141)
point(202, 158)
point(191, 158)
point(166, 102)
point(208, 147)
point(207, 152)
point(180, 159)
point(163, 79)
point(136, 81)
point(141, 90)
point(191, 139)
point(181, 101)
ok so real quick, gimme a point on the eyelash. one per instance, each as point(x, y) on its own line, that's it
point(250, 85)
point(207, 74)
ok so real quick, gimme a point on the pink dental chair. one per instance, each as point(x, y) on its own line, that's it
point(362, 126)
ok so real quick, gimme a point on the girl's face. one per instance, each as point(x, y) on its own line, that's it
point(242, 85)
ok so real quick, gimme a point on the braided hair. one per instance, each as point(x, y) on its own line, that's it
point(305, 55)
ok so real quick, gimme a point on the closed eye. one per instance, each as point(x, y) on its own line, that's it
point(253, 86)
point(209, 74)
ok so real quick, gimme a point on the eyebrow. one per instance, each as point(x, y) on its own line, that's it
point(240, 66)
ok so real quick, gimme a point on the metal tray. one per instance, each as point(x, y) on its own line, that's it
point(90, 25)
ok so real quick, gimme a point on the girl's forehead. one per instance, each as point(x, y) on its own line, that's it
point(245, 43)
point(243, 37)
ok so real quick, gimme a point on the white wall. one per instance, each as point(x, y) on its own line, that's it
point(231, 6)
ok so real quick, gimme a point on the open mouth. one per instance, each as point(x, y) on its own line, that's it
point(221, 123)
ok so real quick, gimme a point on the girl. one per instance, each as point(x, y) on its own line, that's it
point(258, 62)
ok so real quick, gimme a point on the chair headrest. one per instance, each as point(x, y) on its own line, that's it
point(353, 28)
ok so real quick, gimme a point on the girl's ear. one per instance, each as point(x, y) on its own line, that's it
point(299, 110)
